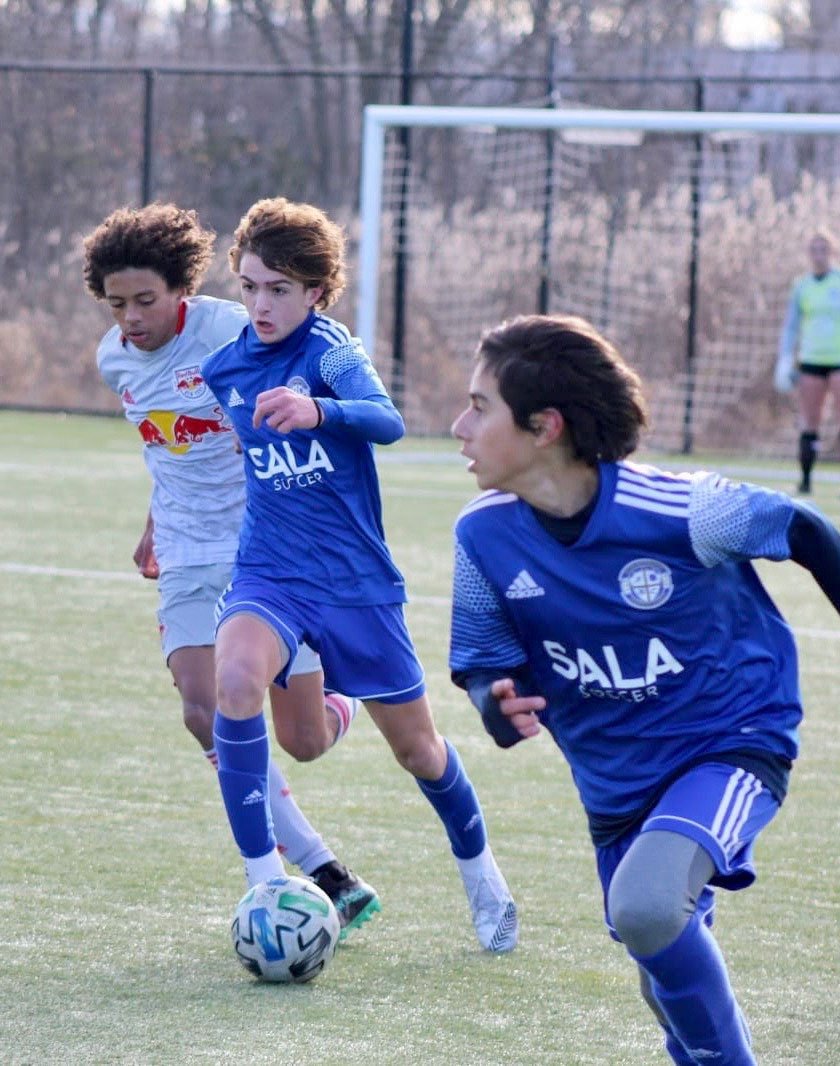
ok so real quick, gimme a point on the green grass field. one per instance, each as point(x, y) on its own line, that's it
point(118, 876)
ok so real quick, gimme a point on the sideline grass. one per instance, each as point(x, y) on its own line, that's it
point(119, 876)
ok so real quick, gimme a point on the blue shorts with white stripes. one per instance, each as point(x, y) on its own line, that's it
point(365, 651)
point(723, 809)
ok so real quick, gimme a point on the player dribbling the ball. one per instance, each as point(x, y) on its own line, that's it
point(313, 564)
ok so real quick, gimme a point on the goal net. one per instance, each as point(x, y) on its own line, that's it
point(677, 234)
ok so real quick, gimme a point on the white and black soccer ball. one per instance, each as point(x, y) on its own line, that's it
point(285, 929)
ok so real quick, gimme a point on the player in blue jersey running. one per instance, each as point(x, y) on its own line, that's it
point(615, 605)
point(146, 264)
point(312, 563)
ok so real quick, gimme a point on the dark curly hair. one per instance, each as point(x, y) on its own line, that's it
point(295, 239)
point(164, 238)
point(562, 361)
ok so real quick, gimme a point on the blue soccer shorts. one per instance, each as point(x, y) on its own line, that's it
point(723, 809)
point(365, 651)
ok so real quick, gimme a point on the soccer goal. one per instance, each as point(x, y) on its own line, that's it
point(676, 233)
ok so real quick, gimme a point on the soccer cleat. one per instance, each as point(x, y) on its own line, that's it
point(804, 487)
point(493, 909)
point(355, 901)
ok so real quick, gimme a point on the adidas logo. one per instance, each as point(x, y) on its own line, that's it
point(253, 797)
point(523, 587)
point(235, 400)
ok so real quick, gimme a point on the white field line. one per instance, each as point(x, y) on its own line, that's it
point(136, 579)
point(123, 575)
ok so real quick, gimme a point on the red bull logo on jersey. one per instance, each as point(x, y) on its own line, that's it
point(286, 469)
point(602, 674)
point(178, 432)
point(190, 383)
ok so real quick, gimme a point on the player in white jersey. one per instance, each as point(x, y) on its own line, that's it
point(146, 265)
point(809, 350)
point(615, 605)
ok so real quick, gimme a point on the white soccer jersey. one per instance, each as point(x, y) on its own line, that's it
point(198, 484)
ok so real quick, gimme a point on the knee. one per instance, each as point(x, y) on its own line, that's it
point(198, 720)
point(303, 748)
point(422, 756)
point(238, 688)
point(647, 921)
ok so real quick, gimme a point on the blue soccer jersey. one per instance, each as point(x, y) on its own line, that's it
point(313, 516)
point(651, 636)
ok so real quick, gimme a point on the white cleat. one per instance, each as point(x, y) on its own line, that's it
point(493, 909)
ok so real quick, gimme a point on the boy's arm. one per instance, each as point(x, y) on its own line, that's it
point(730, 521)
point(815, 544)
point(144, 553)
point(486, 657)
point(361, 404)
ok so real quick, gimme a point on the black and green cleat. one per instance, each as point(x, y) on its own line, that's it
point(354, 900)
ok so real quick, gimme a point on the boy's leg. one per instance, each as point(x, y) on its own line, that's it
point(368, 652)
point(659, 904)
point(187, 600)
point(441, 777)
point(307, 720)
point(653, 902)
point(304, 702)
point(673, 1045)
point(248, 655)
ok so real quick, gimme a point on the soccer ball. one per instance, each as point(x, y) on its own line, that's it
point(285, 929)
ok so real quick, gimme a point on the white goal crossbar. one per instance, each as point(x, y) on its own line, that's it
point(378, 118)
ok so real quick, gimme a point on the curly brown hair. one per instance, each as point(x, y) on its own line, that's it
point(164, 238)
point(295, 239)
point(562, 361)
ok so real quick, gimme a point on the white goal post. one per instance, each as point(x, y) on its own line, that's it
point(398, 187)
point(379, 117)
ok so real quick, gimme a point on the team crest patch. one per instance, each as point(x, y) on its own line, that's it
point(190, 383)
point(299, 385)
point(645, 584)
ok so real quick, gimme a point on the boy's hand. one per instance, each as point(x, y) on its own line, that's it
point(519, 710)
point(284, 409)
point(144, 556)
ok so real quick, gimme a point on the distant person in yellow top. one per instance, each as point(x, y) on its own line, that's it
point(809, 347)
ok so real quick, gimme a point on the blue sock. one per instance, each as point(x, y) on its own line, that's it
point(691, 985)
point(454, 799)
point(676, 1051)
point(243, 750)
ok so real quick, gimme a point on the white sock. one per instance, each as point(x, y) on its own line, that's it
point(483, 864)
point(297, 839)
point(264, 867)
